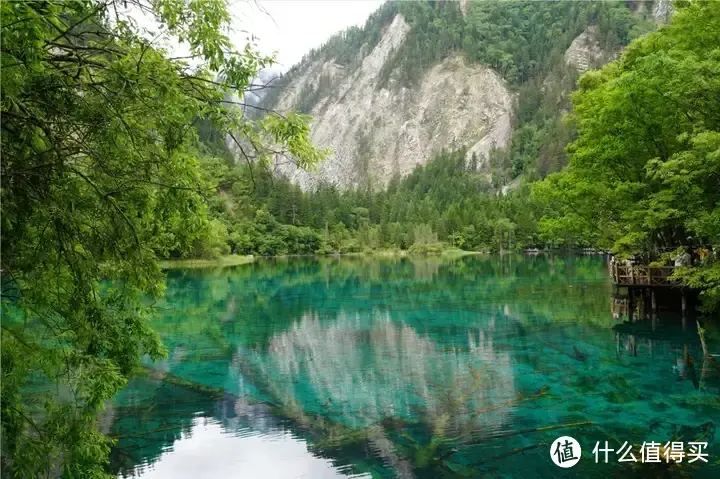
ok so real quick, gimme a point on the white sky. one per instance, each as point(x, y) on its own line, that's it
point(293, 27)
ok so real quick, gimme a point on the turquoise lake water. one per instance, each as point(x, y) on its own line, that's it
point(410, 368)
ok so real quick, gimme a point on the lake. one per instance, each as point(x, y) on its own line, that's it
point(399, 367)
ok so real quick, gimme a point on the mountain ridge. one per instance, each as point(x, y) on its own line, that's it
point(423, 77)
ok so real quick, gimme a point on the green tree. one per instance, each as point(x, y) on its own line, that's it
point(100, 175)
point(643, 175)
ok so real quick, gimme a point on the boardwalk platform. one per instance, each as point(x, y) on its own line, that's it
point(642, 284)
point(642, 276)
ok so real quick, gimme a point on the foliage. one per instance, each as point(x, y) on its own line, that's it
point(446, 202)
point(523, 40)
point(643, 175)
point(101, 174)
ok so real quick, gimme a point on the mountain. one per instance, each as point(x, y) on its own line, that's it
point(376, 132)
point(491, 78)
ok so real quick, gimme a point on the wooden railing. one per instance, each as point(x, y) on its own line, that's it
point(625, 275)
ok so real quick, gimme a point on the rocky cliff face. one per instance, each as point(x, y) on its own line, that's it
point(376, 132)
point(662, 10)
point(585, 52)
point(464, 6)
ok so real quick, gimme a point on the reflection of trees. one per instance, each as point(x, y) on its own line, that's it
point(150, 415)
point(272, 294)
point(427, 269)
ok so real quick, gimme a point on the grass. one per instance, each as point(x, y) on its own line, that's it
point(453, 252)
point(229, 260)
point(402, 253)
point(234, 260)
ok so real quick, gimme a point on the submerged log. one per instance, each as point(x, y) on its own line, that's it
point(701, 333)
point(513, 452)
point(534, 430)
point(182, 382)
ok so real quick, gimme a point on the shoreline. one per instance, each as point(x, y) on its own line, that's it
point(237, 260)
point(223, 261)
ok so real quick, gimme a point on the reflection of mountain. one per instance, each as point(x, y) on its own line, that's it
point(363, 368)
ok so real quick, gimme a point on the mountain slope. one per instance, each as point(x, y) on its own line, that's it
point(421, 77)
point(377, 133)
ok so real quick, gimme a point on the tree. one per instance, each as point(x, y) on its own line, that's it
point(643, 175)
point(100, 175)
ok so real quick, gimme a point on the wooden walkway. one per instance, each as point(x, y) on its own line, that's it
point(642, 275)
point(642, 282)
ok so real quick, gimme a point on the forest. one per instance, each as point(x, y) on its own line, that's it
point(445, 203)
point(449, 202)
point(116, 154)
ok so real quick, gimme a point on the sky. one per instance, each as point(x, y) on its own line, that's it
point(294, 27)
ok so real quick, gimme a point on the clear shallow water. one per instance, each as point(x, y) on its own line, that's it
point(405, 368)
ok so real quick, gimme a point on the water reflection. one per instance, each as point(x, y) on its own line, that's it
point(207, 450)
point(361, 369)
point(398, 368)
